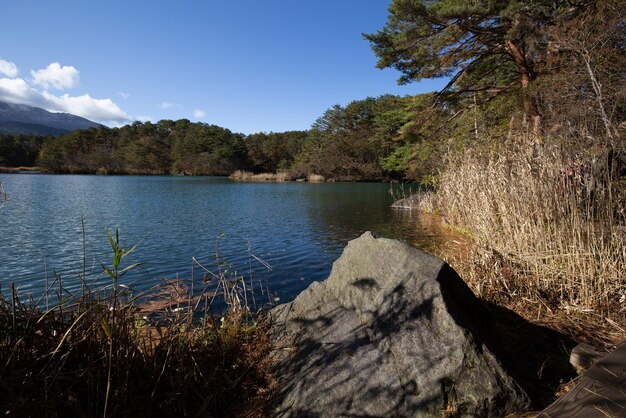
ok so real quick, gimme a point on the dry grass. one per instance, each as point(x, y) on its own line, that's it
point(423, 201)
point(20, 169)
point(278, 177)
point(249, 176)
point(315, 178)
point(550, 233)
point(113, 352)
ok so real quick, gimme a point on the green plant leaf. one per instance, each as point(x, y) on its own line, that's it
point(106, 328)
point(106, 270)
point(113, 244)
point(127, 269)
point(126, 252)
point(116, 260)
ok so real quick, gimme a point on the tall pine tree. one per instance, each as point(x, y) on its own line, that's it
point(485, 47)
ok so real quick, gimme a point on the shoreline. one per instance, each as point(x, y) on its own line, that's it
point(280, 176)
point(20, 170)
point(248, 176)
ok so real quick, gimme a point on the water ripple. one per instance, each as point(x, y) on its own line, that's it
point(299, 229)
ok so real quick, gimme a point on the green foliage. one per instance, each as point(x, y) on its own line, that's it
point(370, 139)
point(484, 46)
point(19, 150)
point(398, 160)
point(146, 148)
point(349, 143)
point(375, 138)
point(269, 152)
point(119, 252)
point(208, 150)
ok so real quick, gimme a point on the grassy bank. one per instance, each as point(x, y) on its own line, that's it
point(275, 177)
point(549, 231)
point(9, 170)
point(114, 352)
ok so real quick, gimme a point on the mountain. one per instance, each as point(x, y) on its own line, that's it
point(23, 119)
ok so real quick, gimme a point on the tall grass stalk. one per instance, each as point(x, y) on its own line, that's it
point(553, 223)
point(112, 351)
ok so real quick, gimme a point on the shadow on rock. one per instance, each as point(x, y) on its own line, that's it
point(394, 331)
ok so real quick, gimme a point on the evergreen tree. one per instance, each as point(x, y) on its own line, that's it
point(483, 46)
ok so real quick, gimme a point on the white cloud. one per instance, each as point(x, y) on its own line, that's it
point(198, 113)
point(56, 76)
point(8, 68)
point(87, 106)
point(142, 118)
point(166, 105)
point(124, 95)
point(16, 90)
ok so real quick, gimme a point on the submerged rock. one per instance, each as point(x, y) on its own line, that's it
point(393, 331)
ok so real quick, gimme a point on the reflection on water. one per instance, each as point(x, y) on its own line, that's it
point(298, 228)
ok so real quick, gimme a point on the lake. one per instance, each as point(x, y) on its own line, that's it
point(298, 229)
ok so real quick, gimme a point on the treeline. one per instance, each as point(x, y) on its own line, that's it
point(387, 137)
point(20, 150)
point(375, 138)
point(165, 147)
point(371, 139)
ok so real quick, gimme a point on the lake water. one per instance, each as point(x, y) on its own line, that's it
point(299, 229)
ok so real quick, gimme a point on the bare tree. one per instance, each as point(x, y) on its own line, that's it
point(586, 72)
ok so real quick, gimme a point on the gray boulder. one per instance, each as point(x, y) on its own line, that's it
point(393, 331)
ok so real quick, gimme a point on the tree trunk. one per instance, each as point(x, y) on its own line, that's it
point(531, 109)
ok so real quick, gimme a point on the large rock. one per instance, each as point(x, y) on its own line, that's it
point(394, 332)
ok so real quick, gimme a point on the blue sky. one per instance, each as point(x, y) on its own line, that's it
point(246, 65)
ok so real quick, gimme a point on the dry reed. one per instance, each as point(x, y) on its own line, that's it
point(249, 176)
point(276, 177)
point(104, 352)
point(550, 229)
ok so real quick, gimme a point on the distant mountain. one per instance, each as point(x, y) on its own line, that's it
point(23, 119)
point(21, 128)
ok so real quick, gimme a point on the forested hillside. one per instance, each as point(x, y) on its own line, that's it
point(388, 137)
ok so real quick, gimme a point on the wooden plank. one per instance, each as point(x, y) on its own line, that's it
point(600, 393)
point(584, 356)
point(589, 399)
point(611, 370)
